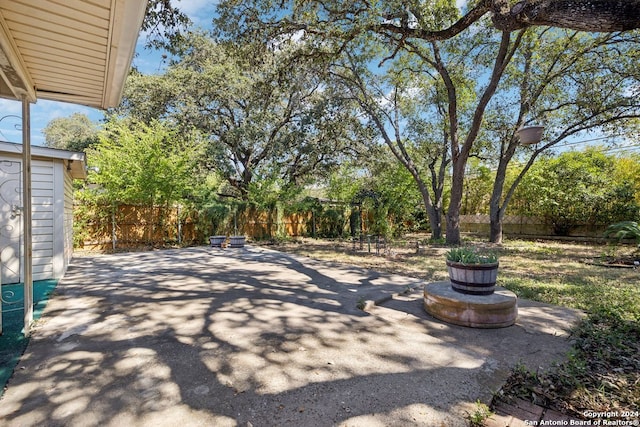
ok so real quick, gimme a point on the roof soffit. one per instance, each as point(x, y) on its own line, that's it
point(16, 81)
point(76, 51)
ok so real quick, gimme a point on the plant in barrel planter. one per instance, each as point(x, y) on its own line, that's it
point(471, 272)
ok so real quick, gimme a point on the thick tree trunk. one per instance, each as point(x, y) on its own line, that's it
point(437, 184)
point(581, 15)
point(455, 203)
point(435, 217)
point(453, 226)
point(495, 230)
point(435, 222)
point(496, 205)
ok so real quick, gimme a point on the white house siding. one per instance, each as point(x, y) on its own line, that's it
point(43, 206)
point(52, 219)
point(52, 174)
point(67, 221)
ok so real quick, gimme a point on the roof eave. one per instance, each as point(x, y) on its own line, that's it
point(75, 161)
point(122, 46)
point(16, 80)
point(15, 77)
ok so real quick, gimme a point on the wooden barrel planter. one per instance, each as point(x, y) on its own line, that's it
point(217, 241)
point(473, 279)
point(237, 241)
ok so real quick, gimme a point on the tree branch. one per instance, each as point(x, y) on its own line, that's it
point(581, 15)
point(418, 33)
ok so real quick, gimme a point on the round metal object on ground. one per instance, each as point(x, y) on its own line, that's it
point(497, 310)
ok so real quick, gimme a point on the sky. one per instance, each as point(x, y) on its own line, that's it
point(147, 61)
point(43, 111)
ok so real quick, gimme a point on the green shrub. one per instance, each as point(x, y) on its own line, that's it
point(624, 230)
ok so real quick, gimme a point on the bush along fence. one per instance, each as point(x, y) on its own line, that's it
point(125, 227)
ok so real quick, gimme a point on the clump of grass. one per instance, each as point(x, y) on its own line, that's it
point(602, 372)
point(480, 415)
point(591, 294)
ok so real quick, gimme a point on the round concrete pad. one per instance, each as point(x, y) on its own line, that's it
point(497, 310)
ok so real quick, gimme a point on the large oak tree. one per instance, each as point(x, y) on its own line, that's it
point(267, 115)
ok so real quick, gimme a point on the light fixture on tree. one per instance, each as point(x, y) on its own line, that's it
point(530, 135)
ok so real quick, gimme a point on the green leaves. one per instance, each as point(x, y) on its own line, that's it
point(624, 230)
point(142, 164)
point(577, 188)
point(75, 133)
point(266, 114)
point(468, 255)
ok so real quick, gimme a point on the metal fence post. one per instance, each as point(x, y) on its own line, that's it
point(113, 227)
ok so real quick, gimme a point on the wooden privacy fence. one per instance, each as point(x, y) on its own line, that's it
point(121, 227)
point(124, 227)
point(264, 225)
point(261, 224)
point(526, 226)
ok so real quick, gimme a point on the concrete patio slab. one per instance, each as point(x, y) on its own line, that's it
point(254, 337)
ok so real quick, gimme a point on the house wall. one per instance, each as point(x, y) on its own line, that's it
point(10, 220)
point(67, 222)
point(52, 204)
point(44, 217)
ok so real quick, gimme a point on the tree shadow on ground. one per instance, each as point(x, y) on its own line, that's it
point(250, 336)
